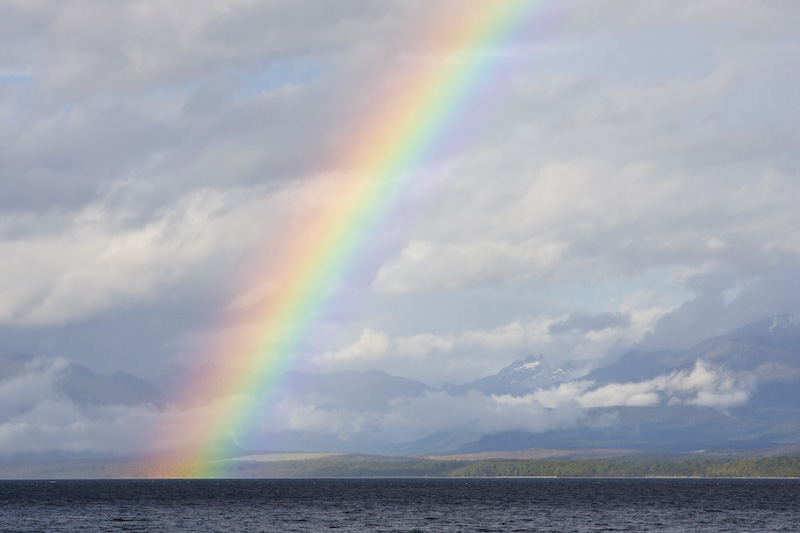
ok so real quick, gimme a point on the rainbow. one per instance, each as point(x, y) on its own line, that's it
point(390, 144)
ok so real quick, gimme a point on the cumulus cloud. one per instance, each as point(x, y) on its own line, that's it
point(470, 354)
point(434, 357)
point(58, 425)
point(98, 259)
point(370, 346)
point(411, 418)
point(154, 43)
point(605, 222)
point(597, 322)
point(36, 416)
point(450, 265)
point(703, 385)
point(22, 391)
point(602, 195)
point(408, 419)
point(629, 176)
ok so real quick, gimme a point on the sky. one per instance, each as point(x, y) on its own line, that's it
point(623, 176)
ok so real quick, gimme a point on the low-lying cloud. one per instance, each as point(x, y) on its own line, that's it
point(628, 179)
point(574, 343)
point(36, 417)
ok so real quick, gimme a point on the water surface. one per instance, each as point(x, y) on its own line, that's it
point(542, 505)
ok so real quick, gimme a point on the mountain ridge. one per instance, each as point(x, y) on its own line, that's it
point(738, 391)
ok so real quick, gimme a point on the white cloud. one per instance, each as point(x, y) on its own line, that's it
point(599, 221)
point(433, 357)
point(633, 159)
point(343, 424)
point(703, 385)
point(412, 418)
point(98, 260)
point(145, 43)
point(36, 417)
point(370, 346)
point(462, 356)
point(448, 266)
point(409, 419)
point(21, 392)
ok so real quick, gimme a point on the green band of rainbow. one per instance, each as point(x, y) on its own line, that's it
point(387, 149)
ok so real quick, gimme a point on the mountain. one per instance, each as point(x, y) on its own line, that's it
point(668, 429)
point(81, 385)
point(735, 392)
point(85, 387)
point(767, 350)
point(518, 378)
point(354, 389)
point(740, 391)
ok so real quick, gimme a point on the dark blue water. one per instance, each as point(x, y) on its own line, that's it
point(671, 505)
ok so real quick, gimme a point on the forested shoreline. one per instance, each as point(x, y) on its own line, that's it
point(782, 466)
point(362, 466)
point(376, 466)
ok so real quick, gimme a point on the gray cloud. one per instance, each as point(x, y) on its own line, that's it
point(583, 323)
point(37, 416)
point(409, 419)
point(723, 307)
point(630, 176)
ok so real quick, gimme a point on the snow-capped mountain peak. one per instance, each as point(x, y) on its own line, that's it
point(520, 377)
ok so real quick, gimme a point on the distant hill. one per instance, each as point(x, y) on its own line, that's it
point(520, 377)
point(81, 385)
point(729, 395)
point(356, 389)
point(85, 387)
point(748, 398)
point(768, 350)
point(354, 466)
point(763, 358)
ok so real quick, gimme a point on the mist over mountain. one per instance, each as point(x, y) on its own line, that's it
point(737, 391)
point(79, 384)
point(362, 390)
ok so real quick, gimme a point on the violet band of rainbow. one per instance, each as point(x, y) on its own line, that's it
point(391, 143)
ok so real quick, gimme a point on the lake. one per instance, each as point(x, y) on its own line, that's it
point(542, 505)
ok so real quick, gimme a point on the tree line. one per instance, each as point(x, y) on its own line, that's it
point(781, 466)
